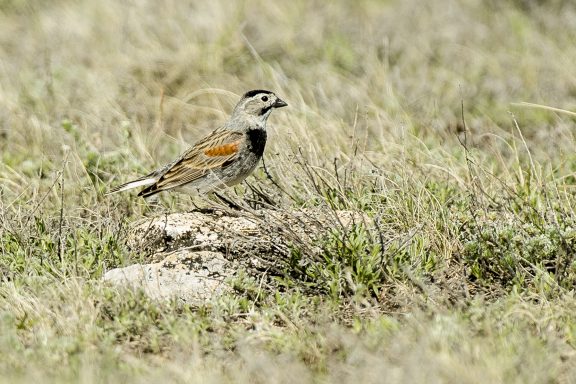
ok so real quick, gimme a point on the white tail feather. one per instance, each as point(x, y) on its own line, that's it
point(132, 184)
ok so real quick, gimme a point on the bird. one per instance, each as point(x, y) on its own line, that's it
point(221, 159)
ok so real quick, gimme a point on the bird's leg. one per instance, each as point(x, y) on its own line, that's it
point(228, 202)
point(200, 209)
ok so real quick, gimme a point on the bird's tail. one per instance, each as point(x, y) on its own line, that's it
point(143, 181)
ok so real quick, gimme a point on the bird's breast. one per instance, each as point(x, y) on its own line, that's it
point(256, 141)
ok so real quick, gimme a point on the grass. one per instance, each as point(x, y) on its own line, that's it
point(450, 125)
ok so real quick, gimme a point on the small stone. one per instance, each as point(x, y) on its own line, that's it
point(176, 276)
point(191, 254)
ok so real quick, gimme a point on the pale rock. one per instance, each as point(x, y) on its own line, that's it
point(193, 255)
point(193, 277)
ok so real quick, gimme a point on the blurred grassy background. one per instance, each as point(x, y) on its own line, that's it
point(477, 283)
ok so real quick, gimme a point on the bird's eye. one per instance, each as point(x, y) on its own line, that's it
point(264, 98)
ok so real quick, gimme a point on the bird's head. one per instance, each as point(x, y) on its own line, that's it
point(258, 104)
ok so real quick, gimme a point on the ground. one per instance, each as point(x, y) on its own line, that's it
point(449, 124)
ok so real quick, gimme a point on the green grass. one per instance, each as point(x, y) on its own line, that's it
point(462, 270)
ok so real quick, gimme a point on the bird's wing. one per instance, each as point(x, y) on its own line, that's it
point(216, 150)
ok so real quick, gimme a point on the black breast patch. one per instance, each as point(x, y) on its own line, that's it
point(256, 141)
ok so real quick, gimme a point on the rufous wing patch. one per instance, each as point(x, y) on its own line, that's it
point(222, 150)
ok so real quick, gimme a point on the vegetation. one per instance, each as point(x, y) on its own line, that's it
point(449, 124)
